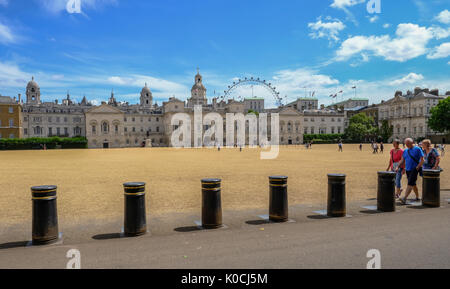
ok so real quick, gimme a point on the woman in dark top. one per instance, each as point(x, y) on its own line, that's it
point(431, 156)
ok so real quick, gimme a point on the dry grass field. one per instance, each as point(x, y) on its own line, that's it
point(90, 181)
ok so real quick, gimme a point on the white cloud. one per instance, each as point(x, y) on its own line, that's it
point(344, 5)
point(439, 32)
point(293, 83)
point(441, 51)
point(324, 29)
point(6, 35)
point(386, 25)
point(411, 78)
point(12, 76)
point(164, 87)
point(410, 42)
point(384, 89)
point(373, 19)
point(340, 4)
point(57, 6)
point(444, 17)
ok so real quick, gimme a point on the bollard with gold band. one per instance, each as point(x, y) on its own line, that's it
point(336, 196)
point(431, 188)
point(211, 204)
point(386, 191)
point(278, 199)
point(135, 216)
point(45, 215)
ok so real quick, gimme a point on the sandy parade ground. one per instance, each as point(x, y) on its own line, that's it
point(90, 181)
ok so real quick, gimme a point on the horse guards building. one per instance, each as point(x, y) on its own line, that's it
point(116, 124)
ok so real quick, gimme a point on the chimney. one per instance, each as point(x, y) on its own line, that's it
point(435, 92)
point(426, 90)
point(398, 93)
point(20, 98)
point(417, 90)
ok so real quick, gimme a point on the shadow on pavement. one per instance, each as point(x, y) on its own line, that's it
point(187, 229)
point(258, 222)
point(417, 207)
point(107, 236)
point(370, 212)
point(13, 245)
point(318, 217)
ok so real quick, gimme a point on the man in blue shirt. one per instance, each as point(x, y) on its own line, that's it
point(413, 159)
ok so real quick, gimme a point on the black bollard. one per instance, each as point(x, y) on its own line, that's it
point(336, 195)
point(278, 199)
point(45, 215)
point(211, 204)
point(386, 191)
point(135, 216)
point(431, 188)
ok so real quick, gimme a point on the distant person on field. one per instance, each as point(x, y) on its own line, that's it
point(360, 147)
point(431, 156)
point(340, 146)
point(394, 163)
point(381, 147)
point(413, 160)
point(442, 149)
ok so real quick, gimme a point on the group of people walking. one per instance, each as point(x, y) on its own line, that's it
point(411, 161)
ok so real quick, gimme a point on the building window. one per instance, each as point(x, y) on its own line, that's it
point(116, 129)
point(157, 129)
point(105, 128)
point(25, 131)
point(11, 109)
point(66, 131)
point(11, 122)
point(11, 136)
point(50, 131)
point(94, 129)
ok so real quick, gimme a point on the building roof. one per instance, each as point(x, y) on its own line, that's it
point(6, 99)
point(254, 98)
point(357, 108)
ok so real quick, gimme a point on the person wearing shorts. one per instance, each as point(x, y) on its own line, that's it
point(413, 160)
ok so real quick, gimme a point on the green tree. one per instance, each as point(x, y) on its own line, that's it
point(253, 111)
point(440, 116)
point(386, 131)
point(360, 128)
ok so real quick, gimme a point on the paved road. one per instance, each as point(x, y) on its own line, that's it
point(412, 238)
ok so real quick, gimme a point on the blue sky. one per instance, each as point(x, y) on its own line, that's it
point(300, 46)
